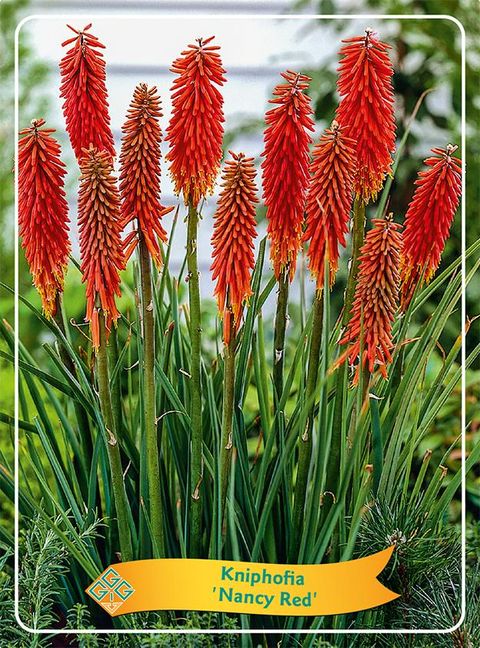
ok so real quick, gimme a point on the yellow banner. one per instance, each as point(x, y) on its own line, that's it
point(252, 588)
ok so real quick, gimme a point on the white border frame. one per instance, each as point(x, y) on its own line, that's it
point(242, 16)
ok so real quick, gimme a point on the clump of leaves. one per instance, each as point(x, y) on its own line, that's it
point(421, 552)
point(43, 565)
point(43, 562)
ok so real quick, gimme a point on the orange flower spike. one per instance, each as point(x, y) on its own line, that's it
point(429, 218)
point(376, 298)
point(195, 132)
point(140, 171)
point(101, 248)
point(366, 109)
point(285, 169)
point(83, 88)
point(232, 241)
point(43, 211)
point(329, 200)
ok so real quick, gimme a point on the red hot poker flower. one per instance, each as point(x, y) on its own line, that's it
point(140, 171)
point(329, 199)
point(195, 131)
point(232, 240)
point(101, 247)
point(43, 211)
point(85, 108)
point(285, 169)
point(429, 218)
point(366, 110)
point(376, 298)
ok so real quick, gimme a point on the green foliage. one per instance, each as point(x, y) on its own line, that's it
point(67, 465)
point(389, 450)
point(42, 565)
point(442, 597)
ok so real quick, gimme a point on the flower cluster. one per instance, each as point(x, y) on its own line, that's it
point(366, 110)
point(195, 131)
point(140, 172)
point(285, 169)
point(307, 201)
point(85, 108)
point(376, 298)
point(43, 211)
point(232, 240)
point(329, 200)
point(101, 248)
point(429, 217)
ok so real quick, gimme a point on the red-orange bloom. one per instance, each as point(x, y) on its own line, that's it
point(195, 131)
point(366, 110)
point(101, 248)
point(285, 169)
point(329, 199)
point(140, 172)
point(43, 211)
point(429, 217)
point(376, 298)
point(232, 240)
point(85, 108)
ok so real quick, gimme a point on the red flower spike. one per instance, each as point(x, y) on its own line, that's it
point(285, 169)
point(366, 110)
point(329, 199)
point(101, 248)
point(140, 171)
point(195, 131)
point(43, 211)
point(376, 298)
point(232, 240)
point(85, 108)
point(429, 218)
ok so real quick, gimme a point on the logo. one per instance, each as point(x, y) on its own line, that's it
point(110, 590)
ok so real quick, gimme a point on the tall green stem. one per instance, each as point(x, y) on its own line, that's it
point(338, 415)
point(149, 402)
point(115, 391)
point(196, 463)
point(305, 439)
point(358, 233)
point(227, 415)
point(282, 510)
point(113, 449)
point(279, 334)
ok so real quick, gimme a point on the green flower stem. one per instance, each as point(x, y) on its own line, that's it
point(377, 443)
point(196, 462)
point(305, 439)
point(118, 486)
point(333, 463)
point(279, 334)
point(358, 233)
point(115, 391)
point(227, 415)
point(149, 402)
point(282, 510)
